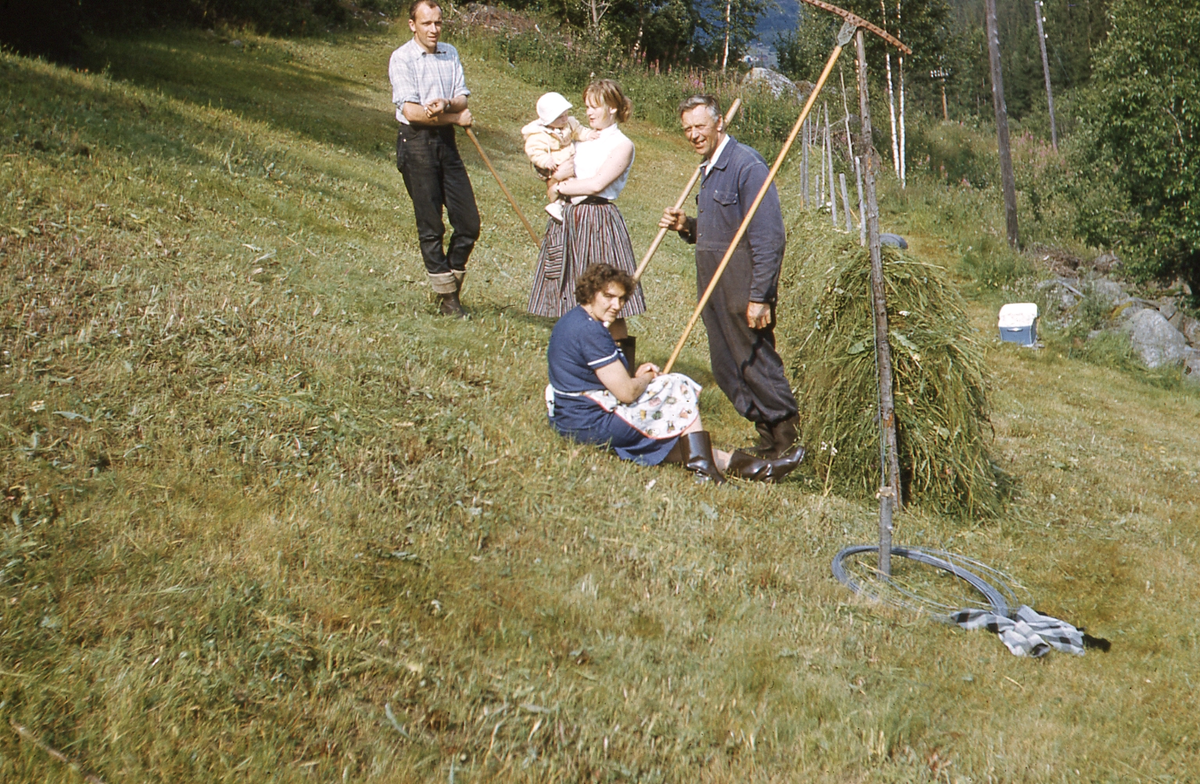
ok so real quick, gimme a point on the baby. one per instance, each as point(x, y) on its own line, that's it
point(550, 141)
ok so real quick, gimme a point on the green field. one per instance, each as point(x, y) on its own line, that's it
point(267, 517)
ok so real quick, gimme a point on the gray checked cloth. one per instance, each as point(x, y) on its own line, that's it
point(1025, 631)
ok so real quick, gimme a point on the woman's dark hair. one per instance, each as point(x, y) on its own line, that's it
point(608, 93)
point(596, 279)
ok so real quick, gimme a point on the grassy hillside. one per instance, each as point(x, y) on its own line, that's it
point(268, 518)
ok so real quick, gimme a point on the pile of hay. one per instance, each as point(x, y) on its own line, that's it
point(939, 373)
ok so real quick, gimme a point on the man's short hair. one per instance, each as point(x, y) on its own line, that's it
point(596, 279)
point(707, 101)
point(412, 9)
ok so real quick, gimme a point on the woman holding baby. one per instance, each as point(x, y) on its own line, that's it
point(592, 229)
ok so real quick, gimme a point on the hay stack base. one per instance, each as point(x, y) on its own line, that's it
point(940, 376)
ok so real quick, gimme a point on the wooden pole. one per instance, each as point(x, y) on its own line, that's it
point(637, 275)
point(846, 112)
point(804, 194)
point(845, 202)
point(887, 58)
point(1038, 9)
point(533, 234)
point(843, 38)
point(889, 492)
point(900, 79)
point(862, 213)
point(821, 179)
point(1007, 180)
point(830, 180)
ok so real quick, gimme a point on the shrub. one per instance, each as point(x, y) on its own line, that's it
point(990, 264)
point(950, 152)
point(1142, 137)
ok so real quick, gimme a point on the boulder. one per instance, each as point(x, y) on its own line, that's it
point(1127, 307)
point(1155, 340)
point(1191, 330)
point(1061, 293)
point(895, 240)
point(1109, 292)
point(771, 81)
point(1191, 367)
point(1166, 306)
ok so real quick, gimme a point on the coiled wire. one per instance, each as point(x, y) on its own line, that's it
point(998, 599)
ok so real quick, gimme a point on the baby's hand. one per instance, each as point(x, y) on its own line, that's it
point(590, 134)
point(565, 170)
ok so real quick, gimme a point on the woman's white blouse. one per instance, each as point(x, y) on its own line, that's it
point(591, 155)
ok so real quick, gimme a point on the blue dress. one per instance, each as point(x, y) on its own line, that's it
point(579, 346)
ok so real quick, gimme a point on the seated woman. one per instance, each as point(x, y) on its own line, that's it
point(646, 417)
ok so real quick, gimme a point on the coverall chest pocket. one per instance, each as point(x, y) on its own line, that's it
point(726, 198)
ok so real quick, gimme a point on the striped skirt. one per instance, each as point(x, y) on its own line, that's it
point(588, 234)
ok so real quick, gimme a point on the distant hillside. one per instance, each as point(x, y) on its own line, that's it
point(779, 20)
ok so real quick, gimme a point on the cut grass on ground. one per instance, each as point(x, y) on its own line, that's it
point(267, 517)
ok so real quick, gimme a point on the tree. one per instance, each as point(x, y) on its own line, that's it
point(656, 31)
point(714, 33)
point(802, 52)
point(1141, 147)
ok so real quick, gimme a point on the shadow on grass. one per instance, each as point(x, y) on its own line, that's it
point(257, 81)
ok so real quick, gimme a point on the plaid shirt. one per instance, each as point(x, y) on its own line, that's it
point(419, 77)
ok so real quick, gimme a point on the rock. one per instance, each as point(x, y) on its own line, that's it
point(1191, 367)
point(895, 240)
point(1106, 291)
point(1061, 292)
point(1156, 341)
point(1191, 330)
point(1128, 306)
point(236, 43)
point(1166, 307)
point(1106, 263)
point(1059, 261)
point(772, 81)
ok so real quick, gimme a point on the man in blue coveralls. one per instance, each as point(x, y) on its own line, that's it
point(740, 315)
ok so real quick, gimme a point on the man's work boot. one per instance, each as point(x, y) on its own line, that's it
point(451, 306)
point(776, 439)
point(747, 466)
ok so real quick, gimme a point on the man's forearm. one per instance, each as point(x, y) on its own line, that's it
point(439, 112)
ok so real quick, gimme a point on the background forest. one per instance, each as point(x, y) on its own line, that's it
point(1125, 105)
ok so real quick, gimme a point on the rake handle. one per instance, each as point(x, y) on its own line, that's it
point(532, 234)
point(762, 192)
point(729, 115)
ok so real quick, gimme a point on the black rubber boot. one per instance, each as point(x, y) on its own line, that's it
point(746, 466)
point(628, 347)
point(777, 438)
point(698, 458)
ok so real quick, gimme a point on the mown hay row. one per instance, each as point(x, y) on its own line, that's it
point(940, 376)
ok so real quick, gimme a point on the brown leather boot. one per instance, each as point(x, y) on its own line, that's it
point(747, 466)
point(451, 306)
point(697, 456)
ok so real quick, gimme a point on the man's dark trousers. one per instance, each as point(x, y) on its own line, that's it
point(435, 177)
point(745, 363)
